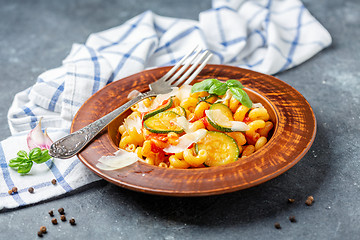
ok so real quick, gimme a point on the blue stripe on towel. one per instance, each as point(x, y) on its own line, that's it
point(251, 65)
point(294, 43)
point(58, 176)
point(178, 37)
point(9, 182)
point(127, 33)
point(128, 54)
point(71, 167)
point(55, 97)
point(234, 41)
point(36, 187)
point(72, 102)
point(33, 120)
point(220, 56)
point(85, 59)
point(135, 58)
point(96, 78)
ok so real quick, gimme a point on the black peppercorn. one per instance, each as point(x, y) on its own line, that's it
point(54, 221)
point(309, 201)
point(72, 221)
point(277, 226)
point(53, 181)
point(291, 200)
point(292, 219)
point(63, 218)
point(14, 189)
point(61, 211)
point(30, 189)
point(51, 213)
point(43, 229)
point(40, 234)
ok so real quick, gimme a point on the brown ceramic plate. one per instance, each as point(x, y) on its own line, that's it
point(294, 132)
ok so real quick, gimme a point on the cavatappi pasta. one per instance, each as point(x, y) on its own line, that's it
point(192, 130)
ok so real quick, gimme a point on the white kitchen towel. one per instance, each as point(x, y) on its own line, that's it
point(263, 35)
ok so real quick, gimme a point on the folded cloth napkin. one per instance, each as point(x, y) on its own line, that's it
point(263, 35)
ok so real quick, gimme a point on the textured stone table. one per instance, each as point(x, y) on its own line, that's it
point(37, 35)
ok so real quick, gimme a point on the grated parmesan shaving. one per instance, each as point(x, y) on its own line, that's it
point(133, 121)
point(186, 140)
point(133, 94)
point(120, 159)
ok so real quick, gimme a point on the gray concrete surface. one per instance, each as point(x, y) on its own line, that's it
point(37, 35)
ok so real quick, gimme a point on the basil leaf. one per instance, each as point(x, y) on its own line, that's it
point(22, 154)
point(14, 164)
point(234, 83)
point(43, 157)
point(218, 88)
point(45, 152)
point(241, 96)
point(24, 161)
point(17, 159)
point(25, 167)
point(34, 153)
point(203, 85)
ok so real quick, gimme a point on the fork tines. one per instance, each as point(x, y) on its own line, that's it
point(194, 58)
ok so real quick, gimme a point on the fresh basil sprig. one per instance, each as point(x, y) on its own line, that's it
point(24, 161)
point(214, 86)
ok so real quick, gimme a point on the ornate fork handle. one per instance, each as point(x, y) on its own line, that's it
point(70, 145)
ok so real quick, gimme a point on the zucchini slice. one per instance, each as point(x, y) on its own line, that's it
point(221, 149)
point(220, 117)
point(159, 109)
point(179, 110)
point(163, 122)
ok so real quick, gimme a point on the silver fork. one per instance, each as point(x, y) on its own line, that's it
point(72, 144)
